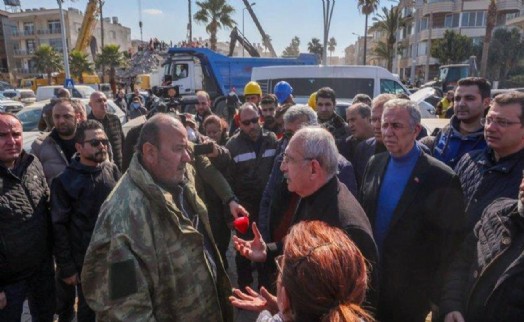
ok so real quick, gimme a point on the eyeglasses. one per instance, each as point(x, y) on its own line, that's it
point(500, 122)
point(279, 260)
point(247, 122)
point(96, 142)
point(287, 159)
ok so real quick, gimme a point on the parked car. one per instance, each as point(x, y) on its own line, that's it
point(8, 105)
point(30, 116)
point(48, 92)
point(24, 95)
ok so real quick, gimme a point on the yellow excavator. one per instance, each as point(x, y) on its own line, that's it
point(83, 40)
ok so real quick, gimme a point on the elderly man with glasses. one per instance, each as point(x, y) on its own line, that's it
point(309, 165)
point(495, 171)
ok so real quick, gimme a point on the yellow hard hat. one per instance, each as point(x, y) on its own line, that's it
point(252, 88)
point(312, 101)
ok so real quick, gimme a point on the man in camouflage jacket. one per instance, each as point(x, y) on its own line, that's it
point(152, 256)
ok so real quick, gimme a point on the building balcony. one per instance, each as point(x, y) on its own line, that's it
point(52, 31)
point(25, 71)
point(436, 33)
point(439, 6)
point(20, 53)
point(22, 34)
point(503, 6)
point(516, 22)
point(507, 6)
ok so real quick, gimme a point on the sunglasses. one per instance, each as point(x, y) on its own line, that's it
point(247, 122)
point(95, 142)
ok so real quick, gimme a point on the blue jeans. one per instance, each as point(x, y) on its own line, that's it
point(39, 289)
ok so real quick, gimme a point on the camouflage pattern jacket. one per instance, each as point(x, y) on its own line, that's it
point(146, 261)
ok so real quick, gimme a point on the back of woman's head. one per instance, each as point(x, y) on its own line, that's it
point(324, 274)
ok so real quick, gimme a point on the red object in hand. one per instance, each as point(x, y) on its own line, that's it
point(241, 224)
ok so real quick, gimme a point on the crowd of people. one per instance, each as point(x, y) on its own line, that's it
point(356, 218)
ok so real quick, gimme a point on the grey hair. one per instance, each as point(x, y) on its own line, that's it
point(381, 99)
point(297, 112)
point(363, 109)
point(247, 106)
point(318, 144)
point(410, 106)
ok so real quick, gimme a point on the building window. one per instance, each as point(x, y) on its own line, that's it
point(113, 34)
point(29, 28)
point(423, 24)
point(474, 19)
point(422, 48)
point(56, 44)
point(54, 26)
point(452, 20)
point(477, 41)
point(31, 46)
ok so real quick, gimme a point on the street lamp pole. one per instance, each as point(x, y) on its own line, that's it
point(327, 14)
point(64, 43)
point(243, 12)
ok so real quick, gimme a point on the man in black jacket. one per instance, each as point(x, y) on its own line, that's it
point(494, 172)
point(111, 123)
point(76, 197)
point(485, 282)
point(309, 165)
point(26, 266)
point(415, 206)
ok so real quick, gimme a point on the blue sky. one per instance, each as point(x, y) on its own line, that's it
point(281, 19)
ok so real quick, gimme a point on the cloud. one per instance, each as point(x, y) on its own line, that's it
point(153, 12)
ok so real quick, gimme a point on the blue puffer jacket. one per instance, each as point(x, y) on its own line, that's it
point(451, 145)
point(483, 179)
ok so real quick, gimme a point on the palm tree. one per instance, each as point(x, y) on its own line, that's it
point(216, 14)
point(79, 64)
point(490, 25)
point(388, 22)
point(332, 43)
point(47, 60)
point(367, 7)
point(315, 47)
point(112, 57)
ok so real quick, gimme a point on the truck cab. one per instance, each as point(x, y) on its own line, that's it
point(184, 72)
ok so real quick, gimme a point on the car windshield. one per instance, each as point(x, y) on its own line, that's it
point(85, 91)
point(10, 94)
point(27, 94)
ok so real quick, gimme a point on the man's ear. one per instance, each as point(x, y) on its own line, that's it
point(149, 153)
point(315, 168)
point(486, 102)
point(78, 147)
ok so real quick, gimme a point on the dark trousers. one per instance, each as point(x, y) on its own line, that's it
point(66, 300)
point(39, 289)
point(221, 233)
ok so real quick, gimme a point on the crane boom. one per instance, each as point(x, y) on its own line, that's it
point(238, 36)
point(265, 38)
point(88, 25)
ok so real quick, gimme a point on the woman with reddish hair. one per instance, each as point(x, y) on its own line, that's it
point(322, 277)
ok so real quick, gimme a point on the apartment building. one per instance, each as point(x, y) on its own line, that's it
point(24, 31)
point(427, 20)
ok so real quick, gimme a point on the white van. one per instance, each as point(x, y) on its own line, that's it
point(346, 80)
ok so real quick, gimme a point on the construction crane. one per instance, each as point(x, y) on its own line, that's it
point(88, 25)
point(265, 38)
point(238, 36)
